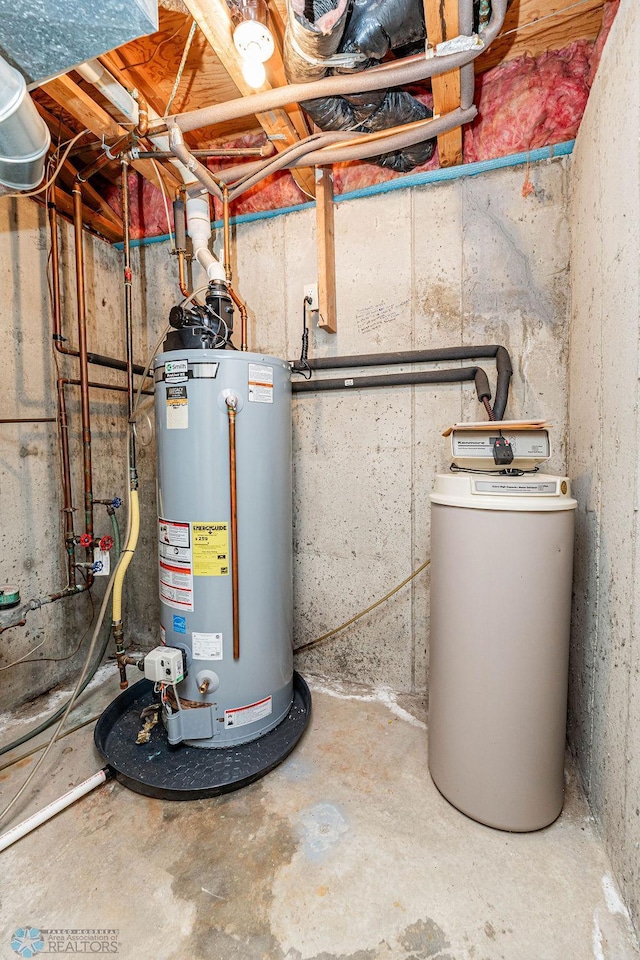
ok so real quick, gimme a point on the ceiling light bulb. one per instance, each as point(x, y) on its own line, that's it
point(254, 73)
point(253, 40)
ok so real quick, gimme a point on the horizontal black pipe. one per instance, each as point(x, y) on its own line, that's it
point(30, 420)
point(488, 351)
point(458, 375)
point(112, 363)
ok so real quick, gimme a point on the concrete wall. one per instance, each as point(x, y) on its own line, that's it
point(466, 262)
point(31, 546)
point(604, 445)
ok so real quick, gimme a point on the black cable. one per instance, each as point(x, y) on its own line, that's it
point(304, 352)
point(454, 468)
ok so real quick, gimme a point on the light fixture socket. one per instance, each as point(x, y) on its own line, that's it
point(251, 36)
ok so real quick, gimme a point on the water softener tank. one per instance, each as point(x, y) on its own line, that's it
point(501, 567)
point(233, 628)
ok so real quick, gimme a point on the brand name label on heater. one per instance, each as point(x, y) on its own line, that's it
point(206, 646)
point(241, 716)
point(260, 383)
point(523, 488)
point(176, 371)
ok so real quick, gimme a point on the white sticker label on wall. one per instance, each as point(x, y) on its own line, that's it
point(241, 716)
point(260, 383)
point(175, 568)
point(176, 371)
point(102, 557)
point(206, 646)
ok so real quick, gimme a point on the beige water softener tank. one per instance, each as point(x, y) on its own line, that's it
point(501, 567)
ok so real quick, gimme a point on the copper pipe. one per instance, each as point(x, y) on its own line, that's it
point(84, 365)
point(227, 267)
point(182, 283)
point(232, 406)
point(58, 339)
point(67, 492)
point(110, 153)
point(226, 237)
point(243, 316)
point(142, 126)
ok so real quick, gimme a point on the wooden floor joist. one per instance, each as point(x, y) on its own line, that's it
point(213, 18)
point(441, 18)
point(86, 111)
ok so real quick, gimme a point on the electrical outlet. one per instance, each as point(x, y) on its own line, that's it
point(311, 291)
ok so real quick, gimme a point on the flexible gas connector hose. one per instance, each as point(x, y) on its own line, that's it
point(127, 555)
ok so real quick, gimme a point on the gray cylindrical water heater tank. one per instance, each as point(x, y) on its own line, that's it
point(501, 570)
point(228, 696)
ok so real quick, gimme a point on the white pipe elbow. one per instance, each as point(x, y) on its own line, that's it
point(199, 229)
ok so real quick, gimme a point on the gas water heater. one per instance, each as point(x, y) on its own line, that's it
point(221, 677)
point(223, 430)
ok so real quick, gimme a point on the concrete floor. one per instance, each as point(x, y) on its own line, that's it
point(346, 852)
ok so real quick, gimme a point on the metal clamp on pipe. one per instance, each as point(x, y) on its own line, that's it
point(232, 409)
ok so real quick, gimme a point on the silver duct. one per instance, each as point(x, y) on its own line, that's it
point(24, 136)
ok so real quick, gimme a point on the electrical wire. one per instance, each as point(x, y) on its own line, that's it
point(41, 746)
point(165, 200)
point(67, 709)
point(183, 61)
point(358, 616)
point(27, 654)
point(157, 346)
point(69, 656)
point(52, 178)
point(548, 16)
point(155, 350)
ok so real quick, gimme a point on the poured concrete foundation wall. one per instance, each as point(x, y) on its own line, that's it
point(466, 262)
point(31, 545)
point(604, 448)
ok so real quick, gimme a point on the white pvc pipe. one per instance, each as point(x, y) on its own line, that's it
point(22, 829)
point(199, 229)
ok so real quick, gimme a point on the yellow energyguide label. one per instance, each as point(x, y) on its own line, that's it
point(210, 549)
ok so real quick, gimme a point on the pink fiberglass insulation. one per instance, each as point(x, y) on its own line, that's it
point(523, 104)
point(530, 102)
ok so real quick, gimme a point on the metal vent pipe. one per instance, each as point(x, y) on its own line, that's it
point(24, 136)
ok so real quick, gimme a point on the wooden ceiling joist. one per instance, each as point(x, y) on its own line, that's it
point(441, 18)
point(213, 18)
point(87, 112)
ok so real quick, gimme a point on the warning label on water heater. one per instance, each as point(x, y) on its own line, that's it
point(240, 716)
point(175, 564)
point(210, 549)
point(177, 408)
point(260, 383)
